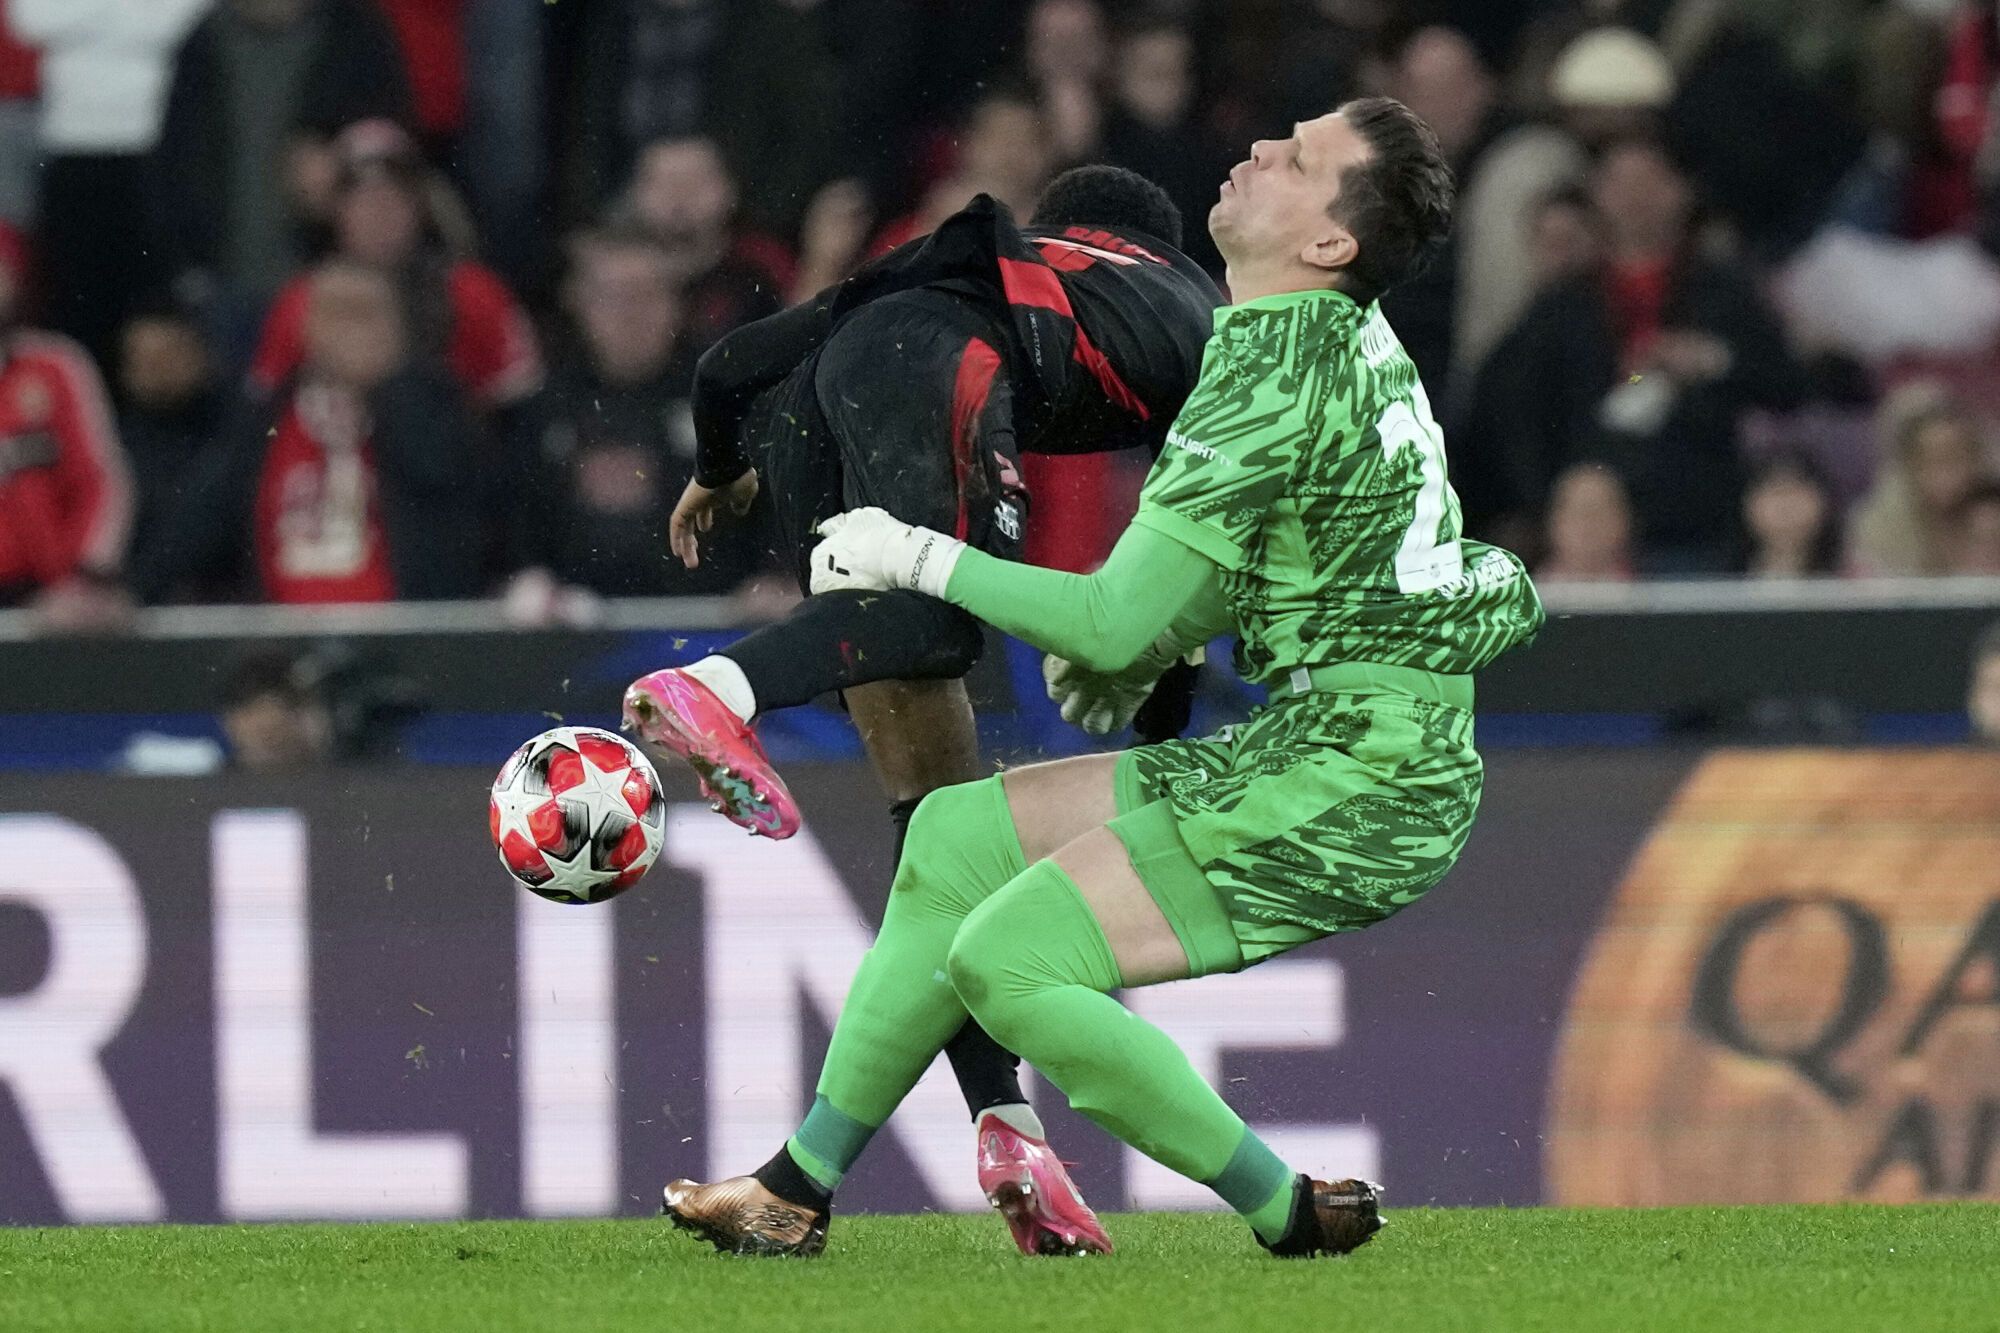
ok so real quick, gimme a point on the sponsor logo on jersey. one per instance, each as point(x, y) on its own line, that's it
point(1378, 341)
point(1495, 569)
point(1196, 447)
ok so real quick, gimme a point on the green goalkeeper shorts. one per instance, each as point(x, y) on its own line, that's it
point(1333, 807)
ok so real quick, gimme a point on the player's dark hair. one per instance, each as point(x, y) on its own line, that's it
point(1109, 197)
point(1397, 202)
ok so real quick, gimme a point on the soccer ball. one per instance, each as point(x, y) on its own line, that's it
point(577, 815)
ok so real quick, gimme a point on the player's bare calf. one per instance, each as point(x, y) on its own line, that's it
point(680, 715)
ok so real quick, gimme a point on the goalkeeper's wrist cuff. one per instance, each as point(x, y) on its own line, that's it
point(932, 559)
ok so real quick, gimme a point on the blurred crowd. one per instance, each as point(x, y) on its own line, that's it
point(312, 301)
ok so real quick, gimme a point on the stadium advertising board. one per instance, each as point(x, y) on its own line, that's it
point(1796, 992)
point(1655, 978)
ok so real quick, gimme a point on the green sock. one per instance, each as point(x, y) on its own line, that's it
point(1257, 1184)
point(827, 1143)
point(1033, 966)
point(902, 1009)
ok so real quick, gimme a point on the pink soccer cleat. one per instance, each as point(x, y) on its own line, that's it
point(679, 714)
point(1027, 1183)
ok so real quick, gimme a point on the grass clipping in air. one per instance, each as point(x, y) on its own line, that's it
point(1912, 1268)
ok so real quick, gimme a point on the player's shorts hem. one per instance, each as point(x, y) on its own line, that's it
point(1129, 787)
point(1184, 894)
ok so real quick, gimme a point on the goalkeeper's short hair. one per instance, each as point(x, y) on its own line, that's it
point(1112, 198)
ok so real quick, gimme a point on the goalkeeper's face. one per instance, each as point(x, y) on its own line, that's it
point(1277, 208)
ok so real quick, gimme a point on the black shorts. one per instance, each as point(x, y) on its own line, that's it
point(908, 407)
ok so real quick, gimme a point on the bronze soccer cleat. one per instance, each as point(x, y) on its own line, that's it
point(1330, 1218)
point(740, 1216)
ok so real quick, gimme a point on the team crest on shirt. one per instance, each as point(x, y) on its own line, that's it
point(1006, 514)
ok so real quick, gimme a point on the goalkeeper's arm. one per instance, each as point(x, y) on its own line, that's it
point(1107, 621)
point(1104, 703)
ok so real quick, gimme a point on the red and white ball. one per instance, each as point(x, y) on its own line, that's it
point(577, 815)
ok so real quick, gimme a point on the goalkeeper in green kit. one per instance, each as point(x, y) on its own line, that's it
point(1300, 504)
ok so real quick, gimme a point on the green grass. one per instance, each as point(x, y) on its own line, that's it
point(1731, 1269)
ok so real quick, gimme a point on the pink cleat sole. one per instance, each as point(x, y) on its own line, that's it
point(1028, 1184)
point(678, 714)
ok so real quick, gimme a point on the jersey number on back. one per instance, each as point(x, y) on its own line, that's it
point(1423, 562)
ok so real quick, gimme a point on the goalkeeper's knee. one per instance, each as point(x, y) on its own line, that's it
point(961, 848)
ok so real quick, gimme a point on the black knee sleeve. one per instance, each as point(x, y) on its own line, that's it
point(838, 640)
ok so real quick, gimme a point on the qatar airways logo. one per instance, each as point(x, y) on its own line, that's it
point(1197, 448)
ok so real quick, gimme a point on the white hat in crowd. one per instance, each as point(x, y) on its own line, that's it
point(1612, 68)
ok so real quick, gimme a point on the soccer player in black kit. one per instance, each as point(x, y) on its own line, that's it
point(915, 386)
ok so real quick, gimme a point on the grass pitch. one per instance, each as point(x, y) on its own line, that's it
point(1908, 1268)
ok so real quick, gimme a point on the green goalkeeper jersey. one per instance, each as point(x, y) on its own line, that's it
point(1307, 465)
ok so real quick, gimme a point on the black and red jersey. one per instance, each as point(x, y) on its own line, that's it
point(1101, 332)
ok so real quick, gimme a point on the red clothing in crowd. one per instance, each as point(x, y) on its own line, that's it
point(1637, 291)
point(20, 72)
point(65, 491)
point(65, 494)
point(491, 350)
point(1943, 192)
point(318, 518)
point(432, 35)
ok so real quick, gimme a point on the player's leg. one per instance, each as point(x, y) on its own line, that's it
point(923, 433)
point(899, 1012)
point(704, 712)
point(921, 739)
point(920, 736)
point(1035, 963)
point(1326, 812)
